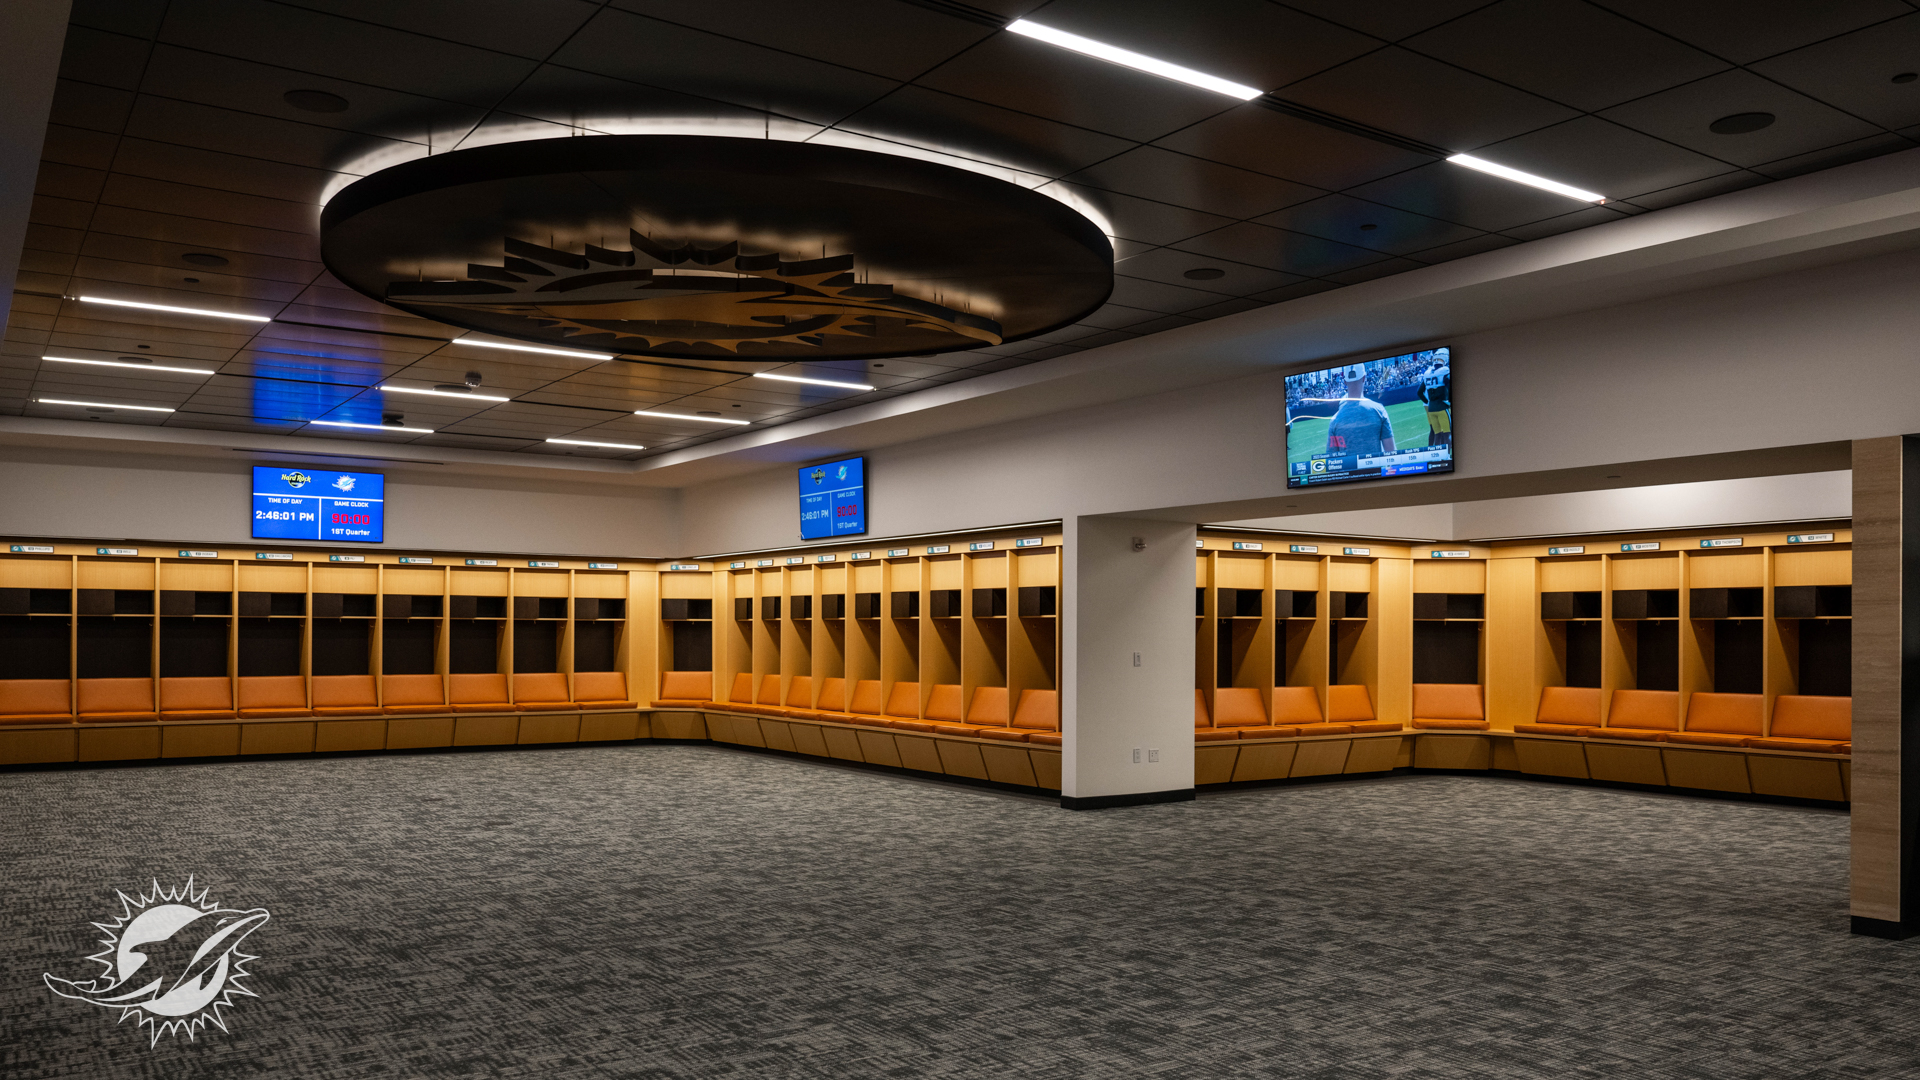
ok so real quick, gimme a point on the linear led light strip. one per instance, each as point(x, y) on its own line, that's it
point(813, 382)
point(589, 442)
point(1100, 50)
point(136, 367)
point(441, 393)
point(100, 404)
point(687, 416)
point(374, 427)
point(533, 349)
point(175, 310)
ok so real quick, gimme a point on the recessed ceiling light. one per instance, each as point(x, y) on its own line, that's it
point(1906, 77)
point(1526, 178)
point(170, 307)
point(191, 280)
point(1127, 58)
point(1741, 123)
point(1205, 273)
point(608, 445)
point(374, 427)
point(812, 382)
point(135, 364)
point(685, 416)
point(315, 101)
point(201, 258)
point(442, 393)
point(1368, 227)
point(100, 404)
point(533, 348)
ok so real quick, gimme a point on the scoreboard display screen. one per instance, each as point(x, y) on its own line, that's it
point(319, 504)
point(1366, 421)
point(833, 499)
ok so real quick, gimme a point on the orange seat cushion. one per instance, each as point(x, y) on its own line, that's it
point(1297, 705)
point(686, 686)
point(1551, 729)
point(1278, 731)
point(1447, 701)
point(866, 699)
point(1045, 738)
point(196, 698)
point(409, 695)
point(943, 703)
point(601, 690)
point(1629, 734)
point(1005, 734)
point(769, 691)
point(1646, 710)
point(1361, 726)
point(833, 695)
point(339, 695)
point(1328, 728)
point(1214, 734)
point(989, 707)
point(1804, 746)
point(1238, 707)
point(478, 693)
point(1578, 706)
point(1800, 716)
point(1348, 702)
point(1201, 718)
point(36, 701)
point(800, 692)
point(1707, 738)
point(1451, 725)
point(1726, 714)
point(541, 691)
point(1039, 710)
point(905, 701)
point(267, 696)
point(742, 692)
point(116, 699)
point(947, 727)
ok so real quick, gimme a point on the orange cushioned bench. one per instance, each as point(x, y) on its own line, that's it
point(270, 697)
point(1296, 709)
point(1349, 712)
point(1810, 725)
point(1564, 710)
point(413, 695)
point(1039, 716)
point(863, 707)
point(1448, 707)
point(1722, 719)
point(1641, 716)
point(766, 702)
point(833, 702)
point(544, 691)
point(478, 693)
point(112, 701)
point(799, 696)
point(1238, 707)
point(601, 690)
point(903, 708)
point(196, 698)
point(1203, 729)
point(36, 701)
point(684, 690)
point(988, 711)
point(741, 695)
point(334, 695)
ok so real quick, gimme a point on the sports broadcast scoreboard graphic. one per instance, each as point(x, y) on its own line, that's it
point(314, 504)
point(833, 499)
point(1388, 417)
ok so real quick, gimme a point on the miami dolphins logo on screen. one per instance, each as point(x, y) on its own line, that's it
point(344, 483)
point(172, 961)
point(296, 479)
point(843, 472)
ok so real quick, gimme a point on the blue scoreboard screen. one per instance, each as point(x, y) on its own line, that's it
point(833, 499)
point(312, 504)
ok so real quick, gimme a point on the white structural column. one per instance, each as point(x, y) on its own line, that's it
point(1126, 666)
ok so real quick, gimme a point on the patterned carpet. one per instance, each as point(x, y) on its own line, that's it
point(690, 911)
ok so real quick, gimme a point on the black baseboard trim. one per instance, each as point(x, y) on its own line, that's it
point(1141, 798)
point(1881, 928)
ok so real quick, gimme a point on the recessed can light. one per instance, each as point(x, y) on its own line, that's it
point(201, 258)
point(315, 101)
point(1741, 123)
point(1368, 227)
point(191, 280)
point(1906, 77)
point(1205, 273)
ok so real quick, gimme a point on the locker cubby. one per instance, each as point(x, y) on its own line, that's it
point(800, 607)
point(1446, 651)
point(1652, 649)
point(1737, 650)
point(989, 603)
point(1037, 601)
point(176, 603)
point(1812, 601)
point(679, 610)
point(943, 603)
point(476, 607)
point(1824, 655)
point(743, 609)
point(1295, 604)
point(36, 602)
point(905, 605)
point(1428, 606)
point(193, 647)
point(1346, 605)
point(1200, 601)
point(692, 646)
point(265, 605)
point(473, 647)
point(1646, 604)
point(1576, 648)
point(116, 648)
point(833, 606)
point(596, 647)
point(345, 605)
point(342, 646)
point(1239, 604)
point(1568, 606)
point(536, 647)
point(534, 608)
point(1743, 603)
point(270, 647)
point(35, 648)
point(866, 605)
point(770, 608)
point(406, 606)
point(115, 602)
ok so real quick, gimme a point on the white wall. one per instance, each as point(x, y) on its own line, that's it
point(197, 500)
point(1120, 602)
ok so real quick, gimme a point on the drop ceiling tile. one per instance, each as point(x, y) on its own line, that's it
point(624, 45)
point(1600, 156)
point(69, 181)
point(102, 245)
point(108, 59)
point(352, 320)
point(121, 416)
point(199, 234)
point(90, 106)
point(1390, 20)
point(54, 238)
point(602, 103)
point(306, 155)
point(1463, 248)
point(1251, 42)
point(1474, 199)
point(183, 200)
point(1366, 224)
point(1278, 249)
point(215, 288)
point(890, 371)
point(1566, 50)
point(1048, 353)
point(1157, 296)
point(1106, 337)
point(345, 49)
point(1074, 333)
point(1144, 220)
point(1294, 292)
point(1212, 311)
point(1256, 138)
point(1421, 98)
point(1699, 189)
point(530, 28)
point(454, 441)
point(78, 146)
point(138, 18)
point(1174, 322)
point(1384, 268)
point(1577, 219)
point(1169, 266)
point(1115, 316)
point(1150, 172)
point(1019, 73)
point(1832, 156)
point(52, 263)
point(896, 40)
point(975, 129)
point(1855, 72)
point(1746, 30)
point(1682, 116)
point(63, 213)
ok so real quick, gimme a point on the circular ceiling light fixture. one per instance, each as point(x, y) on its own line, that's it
point(1906, 77)
point(1205, 273)
point(702, 247)
point(315, 101)
point(1741, 123)
point(202, 258)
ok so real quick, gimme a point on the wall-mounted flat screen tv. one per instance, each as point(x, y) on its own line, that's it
point(1364, 421)
point(833, 499)
point(318, 504)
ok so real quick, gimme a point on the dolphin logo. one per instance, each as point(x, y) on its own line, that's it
point(174, 964)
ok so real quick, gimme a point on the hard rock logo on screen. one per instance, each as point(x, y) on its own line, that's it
point(296, 479)
point(172, 961)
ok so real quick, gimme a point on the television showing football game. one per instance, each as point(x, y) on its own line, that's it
point(1389, 417)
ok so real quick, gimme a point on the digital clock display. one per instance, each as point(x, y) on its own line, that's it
point(318, 504)
point(833, 499)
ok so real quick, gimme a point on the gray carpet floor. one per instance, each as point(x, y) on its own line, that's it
point(689, 911)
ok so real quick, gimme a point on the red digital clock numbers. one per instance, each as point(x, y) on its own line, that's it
point(352, 519)
point(847, 510)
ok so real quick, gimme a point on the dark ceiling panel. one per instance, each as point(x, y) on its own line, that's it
point(529, 28)
point(1390, 20)
point(140, 18)
point(1252, 42)
point(628, 46)
point(221, 171)
point(596, 102)
point(206, 282)
point(1700, 189)
point(975, 129)
point(1682, 115)
point(1165, 176)
point(1746, 30)
point(1831, 156)
point(239, 264)
point(86, 105)
point(1576, 219)
point(1145, 220)
point(186, 200)
point(1170, 267)
point(1422, 98)
point(320, 150)
point(1566, 50)
point(203, 235)
point(1368, 225)
point(1278, 249)
point(1599, 156)
point(1452, 193)
point(79, 146)
point(1855, 72)
point(896, 40)
point(106, 59)
point(1463, 249)
point(1252, 137)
